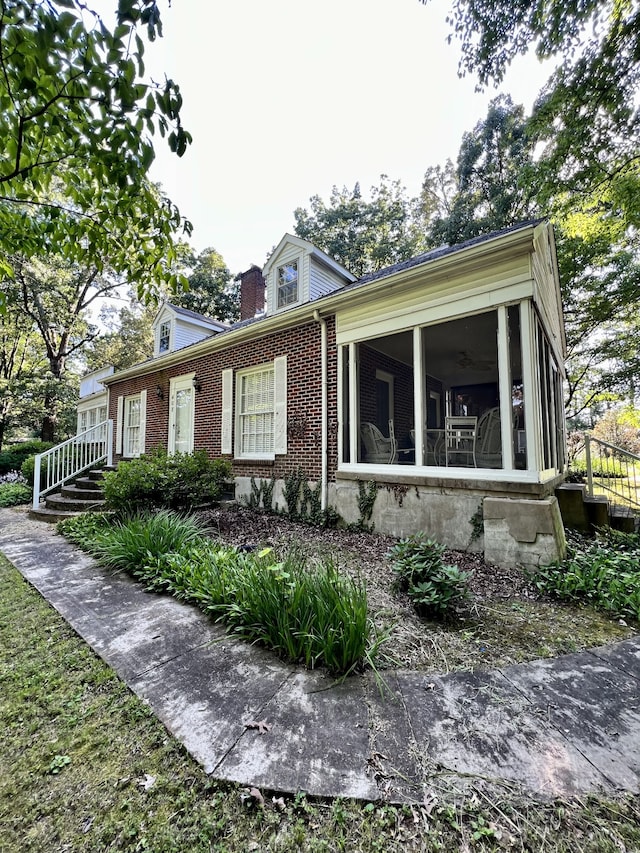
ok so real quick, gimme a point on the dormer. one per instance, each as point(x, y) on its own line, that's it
point(175, 328)
point(297, 272)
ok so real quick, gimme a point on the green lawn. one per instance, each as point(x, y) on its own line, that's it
point(85, 766)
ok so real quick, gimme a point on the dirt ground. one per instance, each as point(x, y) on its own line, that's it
point(505, 621)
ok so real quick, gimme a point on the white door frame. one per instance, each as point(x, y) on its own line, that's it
point(181, 383)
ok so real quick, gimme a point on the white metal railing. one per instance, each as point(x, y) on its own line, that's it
point(65, 461)
point(614, 471)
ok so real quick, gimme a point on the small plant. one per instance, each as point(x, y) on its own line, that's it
point(291, 492)
point(132, 543)
point(477, 524)
point(14, 494)
point(436, 589)
point(367, 495)
point(309, 614)
point(603, 572)
point(304, 503)
point(262, 492)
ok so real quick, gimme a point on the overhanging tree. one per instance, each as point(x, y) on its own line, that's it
point(76, 124)
point(588, 115)
point(362, 235)
point(212, 290)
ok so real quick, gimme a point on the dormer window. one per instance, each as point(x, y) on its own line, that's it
point(164, 338)
point(287, 284)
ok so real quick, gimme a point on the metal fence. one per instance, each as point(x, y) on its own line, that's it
point(612, 471)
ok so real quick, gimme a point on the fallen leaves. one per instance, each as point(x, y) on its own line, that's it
point(262, 726)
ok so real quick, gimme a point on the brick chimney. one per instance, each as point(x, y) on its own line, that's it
point(252, 286)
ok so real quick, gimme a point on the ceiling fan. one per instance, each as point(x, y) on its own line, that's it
point(466, 360)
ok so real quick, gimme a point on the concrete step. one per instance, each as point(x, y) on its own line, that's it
point(623, 518)
point(80, 492)
point(88, 483)
point(59, 503)
point(53, 516)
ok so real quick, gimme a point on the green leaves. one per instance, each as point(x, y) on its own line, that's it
point(364, 236)
point(75, 121)
point(603, 572)
point(436, 589)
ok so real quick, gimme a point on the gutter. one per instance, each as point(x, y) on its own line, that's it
point(475, 256)
point(324, 443)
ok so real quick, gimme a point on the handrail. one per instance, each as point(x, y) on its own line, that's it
point(611, 461)
point(71, 457)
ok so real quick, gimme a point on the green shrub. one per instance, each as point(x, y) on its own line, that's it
point(436, 589)
point(603, 572)
point(12, 458)
point(180, 481)
point(13, 494)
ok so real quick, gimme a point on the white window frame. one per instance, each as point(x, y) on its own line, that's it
point(280, 286)
point(162, 335)
point(241, 452)
point(132, 447)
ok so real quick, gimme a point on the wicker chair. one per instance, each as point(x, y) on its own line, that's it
point(378, 448)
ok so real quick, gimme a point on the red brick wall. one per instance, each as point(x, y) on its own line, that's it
point(371, 360)
point(304, 386)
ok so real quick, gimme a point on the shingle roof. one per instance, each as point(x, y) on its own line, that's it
point(440, 252)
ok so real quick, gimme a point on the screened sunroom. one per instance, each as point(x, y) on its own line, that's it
point(459, 374)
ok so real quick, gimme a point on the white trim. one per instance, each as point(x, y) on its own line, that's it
point(181, 383)
point(531, 388)
point(433, 472)
point(119, 424)
point(280, 405)
point(354, 405)
point(240, 376)
point(226, 439)
point(505, 386)
point(143, 421)
point(419, 388)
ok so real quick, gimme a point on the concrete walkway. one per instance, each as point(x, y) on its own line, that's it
point(549, 728)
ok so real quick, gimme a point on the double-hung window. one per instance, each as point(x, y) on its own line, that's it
point(164, 337)
point(288, 284)
point(132, 422)
point(256, 410)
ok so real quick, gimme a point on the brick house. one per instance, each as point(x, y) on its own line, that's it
point(362, 380)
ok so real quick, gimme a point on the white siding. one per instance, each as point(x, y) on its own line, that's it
point(322, 280)
point(434, 298)
point(288, 254)
point(185, 333)
point(546, 292)
point(91, 384)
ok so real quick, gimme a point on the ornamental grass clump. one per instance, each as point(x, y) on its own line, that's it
point(603, 572)
point(435, 588)
point(308, 614)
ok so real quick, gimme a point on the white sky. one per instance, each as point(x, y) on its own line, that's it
point(286, 98)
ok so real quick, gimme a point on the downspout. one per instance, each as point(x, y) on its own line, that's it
point(324, 409)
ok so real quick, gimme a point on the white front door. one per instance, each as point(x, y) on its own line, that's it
point(181, 415)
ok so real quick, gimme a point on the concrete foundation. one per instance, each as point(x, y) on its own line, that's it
point(507, 530)
point(523, 532)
